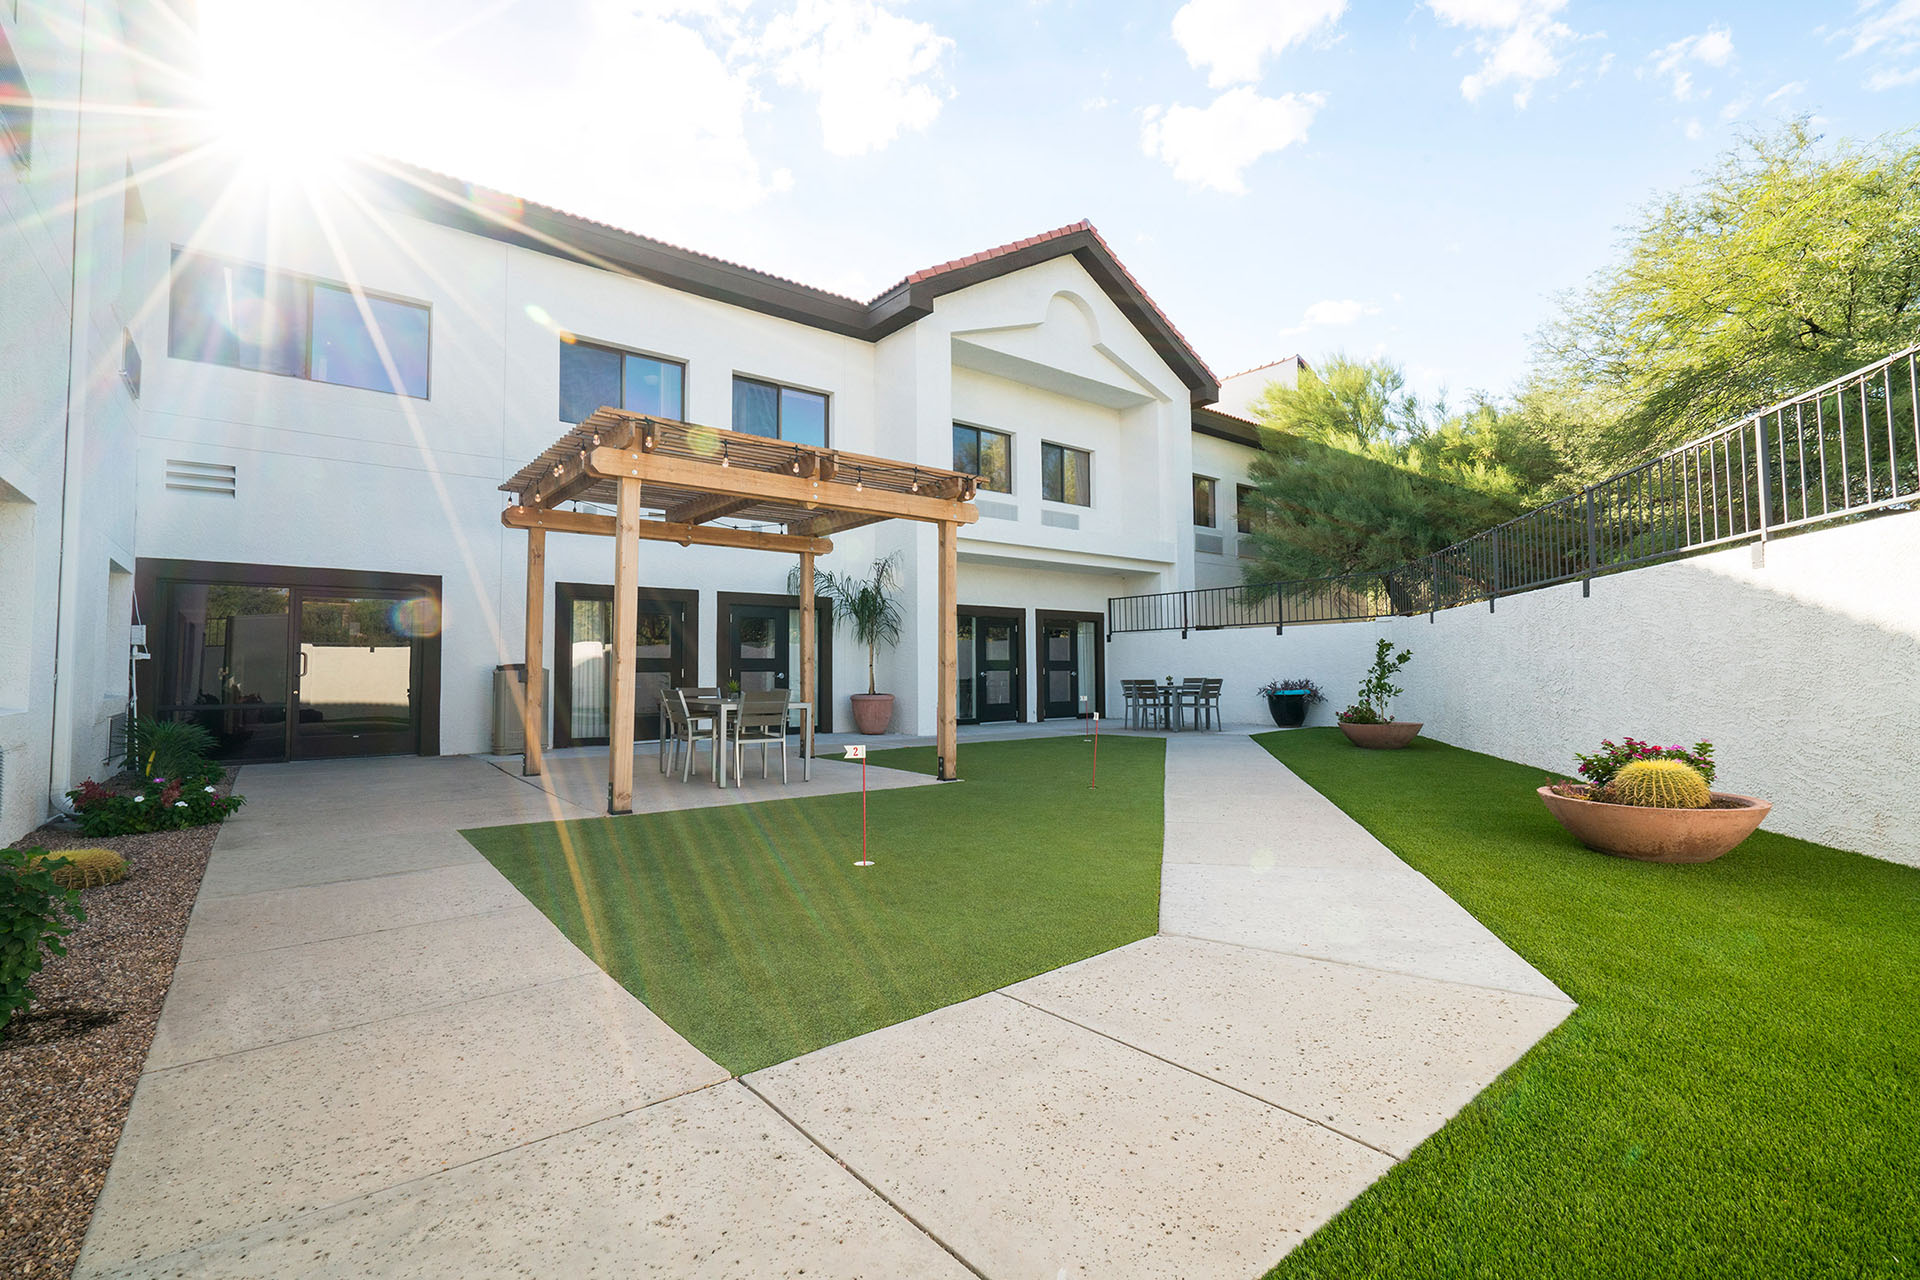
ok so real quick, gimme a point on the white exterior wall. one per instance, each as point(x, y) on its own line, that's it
point(1231, 464)
point(1804, 674)
point(340, 478)
point(66, 417)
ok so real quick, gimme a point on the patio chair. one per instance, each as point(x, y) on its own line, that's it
point(680, 732)
point(1190, 692)
point(762, 719)
point(1206, 703)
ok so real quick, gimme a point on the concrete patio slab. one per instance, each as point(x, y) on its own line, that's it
point(260, 998)
point(234, 1141)
point(238, 923)
point(254, 865)
point(1033, 1147)
point(1383, 1057)
point(711, 1184)
point(577, 776)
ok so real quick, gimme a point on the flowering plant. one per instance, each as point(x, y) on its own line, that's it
point(159, 805)
point(1598, 768)
point(1272, 687)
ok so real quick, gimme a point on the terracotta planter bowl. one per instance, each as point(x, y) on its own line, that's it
point(872, 712)
point(1381, 737)
point(1657, 835)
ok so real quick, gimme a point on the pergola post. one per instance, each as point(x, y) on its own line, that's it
point(626, 624)
point(947, 748)
point(533, 704)
point(809, 625)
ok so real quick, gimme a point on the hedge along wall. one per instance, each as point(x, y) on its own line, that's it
point(1804, 672)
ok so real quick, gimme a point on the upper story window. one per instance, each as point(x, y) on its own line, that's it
point(1243, 507)
point(593, 376)
point(780, 413)
point(248, 317)
point(1066, 474)
point(986, 453)
point(1205, 490)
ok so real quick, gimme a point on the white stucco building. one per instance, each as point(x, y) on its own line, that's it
point(295, 484)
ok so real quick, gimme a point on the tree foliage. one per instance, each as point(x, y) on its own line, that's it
point(1357, 475)
point(1786, 265)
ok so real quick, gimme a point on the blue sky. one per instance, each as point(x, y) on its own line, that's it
point(1409, 179)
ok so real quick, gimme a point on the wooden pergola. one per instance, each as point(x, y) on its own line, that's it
point(667, 482)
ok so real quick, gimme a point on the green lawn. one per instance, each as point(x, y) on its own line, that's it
point(1738, 1094)
point(749, 930)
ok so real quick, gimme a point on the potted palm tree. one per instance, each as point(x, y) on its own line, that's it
point(866, 604)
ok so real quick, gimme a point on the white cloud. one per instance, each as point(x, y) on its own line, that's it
point(1096, 104)
point(1891, 27)
point(1887, 78)
point(1330, 313)
point(1693, 130)
point(1230, 38)
point(868, 67)
point(1787, 90)
point(1520, 42)
point(1212, 146)
point(1711, 48)
point(1737, 108)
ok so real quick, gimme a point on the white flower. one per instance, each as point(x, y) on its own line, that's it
point(179, 804)
point(139, 799)
point(208, 790)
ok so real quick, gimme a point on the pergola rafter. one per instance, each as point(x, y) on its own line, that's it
point(667, 481)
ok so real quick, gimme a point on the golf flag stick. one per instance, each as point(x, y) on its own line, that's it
point(858, 751)
point(1095, 783)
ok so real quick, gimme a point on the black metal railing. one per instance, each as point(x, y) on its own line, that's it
point(1841, 451)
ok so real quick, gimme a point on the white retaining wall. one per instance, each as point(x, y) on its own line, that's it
point(1804, 672)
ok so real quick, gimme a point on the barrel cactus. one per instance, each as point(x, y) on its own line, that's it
point(1660, 784)
point(84, 868)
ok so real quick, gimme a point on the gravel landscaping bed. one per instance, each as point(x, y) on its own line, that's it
point(69, 1067)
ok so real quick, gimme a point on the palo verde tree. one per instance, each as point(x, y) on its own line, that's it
point(1786, 265)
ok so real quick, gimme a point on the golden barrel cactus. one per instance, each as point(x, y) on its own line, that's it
point(84, 868)
point(1660, 784)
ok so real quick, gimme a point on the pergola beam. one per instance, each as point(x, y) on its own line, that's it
point(823, 526)
point(773, 487)
point(659, 531)
point(708, 506)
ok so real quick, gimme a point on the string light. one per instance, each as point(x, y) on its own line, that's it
point(916, 479)
point(796, 462)
point(858, 480)
point(725, 461)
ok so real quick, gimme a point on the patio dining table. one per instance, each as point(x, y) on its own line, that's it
point(722, 710)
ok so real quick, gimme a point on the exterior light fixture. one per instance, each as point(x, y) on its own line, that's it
point(725, 461)
point(858, 480)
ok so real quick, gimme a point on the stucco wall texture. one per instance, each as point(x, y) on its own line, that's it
point(1803, 670)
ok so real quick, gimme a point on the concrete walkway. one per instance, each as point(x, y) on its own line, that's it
point(378, 1059)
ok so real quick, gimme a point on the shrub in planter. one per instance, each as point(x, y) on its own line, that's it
point(1289, 700)
point(83, 868)
point(1598, 768)
point(160, 805)
point(1368, 722)
point(36, 912)
point(170, 749)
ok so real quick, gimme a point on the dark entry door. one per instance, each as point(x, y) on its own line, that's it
point(996, 661)
point(758, 646)
point(354, 668)
point(583, 697)
point(1060, 669)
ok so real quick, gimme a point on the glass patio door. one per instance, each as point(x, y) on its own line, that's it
point(585, 696)
point(996, 651)
point(353, 676)
point(760, 646)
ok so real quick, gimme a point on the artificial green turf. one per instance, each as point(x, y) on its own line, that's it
point(750, 931)
point(1738, 1094)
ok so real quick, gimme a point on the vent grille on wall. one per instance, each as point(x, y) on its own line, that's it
point(1246, 549)
point(997, 510)
point(1208, 544)
point(201, 477)
point(1060, 519)
point(116, 739)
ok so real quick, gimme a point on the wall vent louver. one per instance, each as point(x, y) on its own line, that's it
point(1060, 519)
point(201, 477)
point(997, 510)
point(1208, 544)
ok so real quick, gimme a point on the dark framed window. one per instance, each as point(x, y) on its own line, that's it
point(1243, 507)
point(1205, 491)
point(247, 317)
point(984, 452)
point(779, 413)
point(592, 376)
point(1066, 474)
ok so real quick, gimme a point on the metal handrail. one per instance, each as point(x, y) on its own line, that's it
point(1844, 450)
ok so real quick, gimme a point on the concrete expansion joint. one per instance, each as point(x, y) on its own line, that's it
point(353, 933)
point(1201, 1075)
point(370, 1022)
point(862, 1179)
point(1562, 998)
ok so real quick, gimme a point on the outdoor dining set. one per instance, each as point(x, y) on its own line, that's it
point(727, 724)
point(1154, 705)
